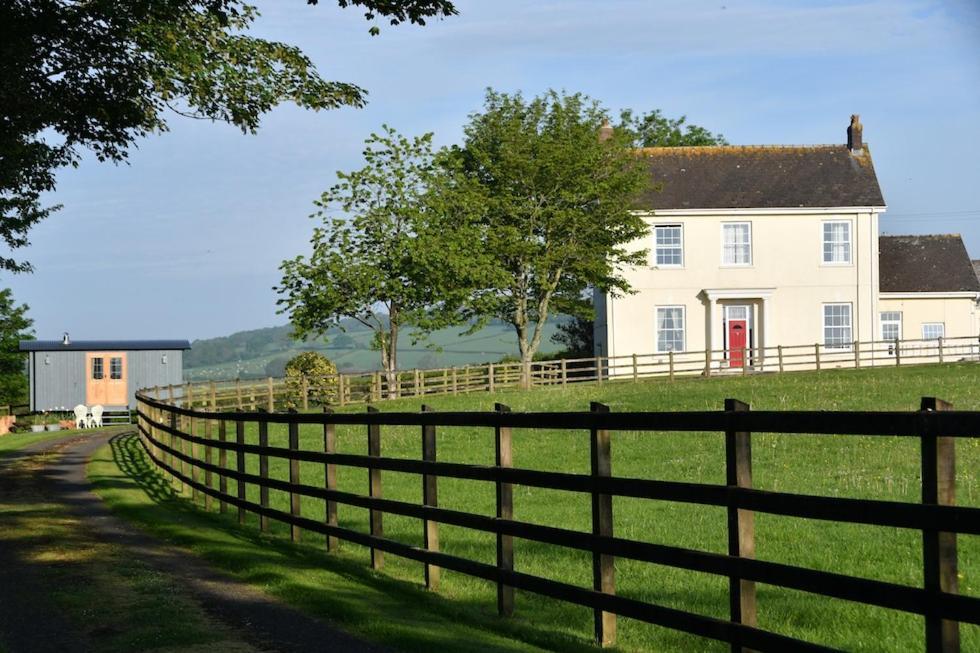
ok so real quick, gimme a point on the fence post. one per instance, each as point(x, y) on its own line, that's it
point(208, 457)
point(455, 386)
point(374, 489)
point(636, 369)
point(898, 352)
point(603, 570)
point(779, 349)
point(238, 393)
point(816, 353)
point(707, 362)
point(271, 407)
point(564, 372)
point(490, 377)
point(223, 464)
point(173, 446)
point(263, 472)
point(305, 389)
point(240, 464)
point(857, 354)
point(376, 386)
point(294, 497)
point(415, 382)
point(430, 497)
point(598, 370)
point(741, 523)
point(330, 478)
point(195, 457)
point(422, 382)
point(745, 361)
point(340, 389)
point(939, 342)
point(670, 365)
point(939, 548)
point(505, 510)
point(251, 397)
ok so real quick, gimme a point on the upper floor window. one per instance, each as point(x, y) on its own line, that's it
point(837, 241)
point(670, 328)
point(669, 244)
point(933, 330)
point(736, 243)
point(837, 325)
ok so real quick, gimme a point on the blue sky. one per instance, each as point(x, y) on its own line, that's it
point(185, 241)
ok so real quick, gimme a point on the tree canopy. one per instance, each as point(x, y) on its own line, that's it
point(98, 76)
point(556, 210)
point(395, 247)
point(14, 327)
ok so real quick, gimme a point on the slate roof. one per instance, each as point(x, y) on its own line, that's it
point(102, 345)
point(935, 263)
point(976, 268)
point(745, 177)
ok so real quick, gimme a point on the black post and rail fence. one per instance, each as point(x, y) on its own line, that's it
point(936, 426)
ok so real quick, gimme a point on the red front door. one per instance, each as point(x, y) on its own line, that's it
point(737, 337)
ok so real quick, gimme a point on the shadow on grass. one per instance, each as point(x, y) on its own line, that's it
point(390, 611)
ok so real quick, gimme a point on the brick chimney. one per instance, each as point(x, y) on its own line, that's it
point(606, 131)
point(855, 140)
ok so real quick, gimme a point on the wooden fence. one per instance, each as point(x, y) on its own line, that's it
point(181, 442)
point(344, 388)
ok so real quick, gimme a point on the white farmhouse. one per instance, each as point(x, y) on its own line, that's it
point(754, 247)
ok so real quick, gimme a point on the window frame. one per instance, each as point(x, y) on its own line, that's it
point(942, 330)
point(101, 368)
point(680, 246)
point(112, 368)
point(850, 243)
point(849, 343)
point(737, 223)
point(656, 316)
point(882, 322)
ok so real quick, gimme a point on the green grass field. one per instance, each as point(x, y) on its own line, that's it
point(860, 467)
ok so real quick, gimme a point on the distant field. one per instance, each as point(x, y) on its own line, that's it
point(351, 351)
point(863, 467)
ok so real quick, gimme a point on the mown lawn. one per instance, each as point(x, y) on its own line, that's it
point(861, 467)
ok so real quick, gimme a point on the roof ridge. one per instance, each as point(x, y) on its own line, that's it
point(735, 148)
point(952, 235)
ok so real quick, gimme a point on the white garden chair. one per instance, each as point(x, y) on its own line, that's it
point(81, 416)
point(96, 418)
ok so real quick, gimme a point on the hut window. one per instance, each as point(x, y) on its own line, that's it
point(115, 368)
point(97, 372)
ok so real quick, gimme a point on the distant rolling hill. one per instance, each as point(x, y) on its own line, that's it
point(264, 352)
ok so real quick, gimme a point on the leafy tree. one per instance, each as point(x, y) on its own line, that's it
point(577, 337)
point(557, 208)
point(319, 374)
point(14, 327)
point(405, 257)
point(653, 129)
point(100, 75)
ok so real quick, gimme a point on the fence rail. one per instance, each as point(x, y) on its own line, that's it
point(180, 440)
point(349, 388)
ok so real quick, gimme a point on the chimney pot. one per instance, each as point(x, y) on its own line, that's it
point(606, 131)
point(65, 340)
point(855, 138)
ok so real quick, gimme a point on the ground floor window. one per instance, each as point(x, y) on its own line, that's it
point(891, 325)
point(933, 330)
point(670, 328)
point(837, 325)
